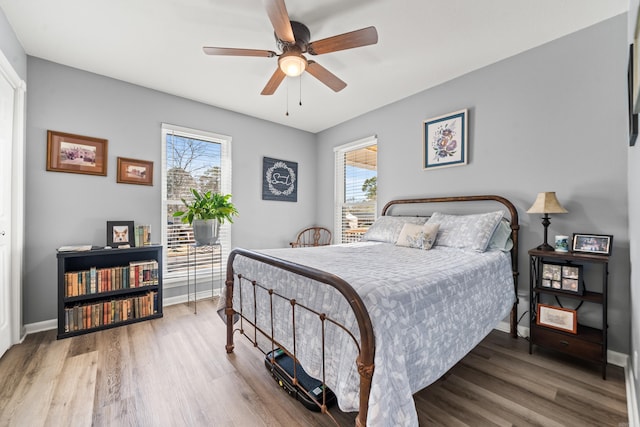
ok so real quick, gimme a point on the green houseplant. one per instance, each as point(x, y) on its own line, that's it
point(206, 213)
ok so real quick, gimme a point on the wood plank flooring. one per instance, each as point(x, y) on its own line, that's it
point(174, 372)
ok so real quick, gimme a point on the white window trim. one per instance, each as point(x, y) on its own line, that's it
point(225, 188)
point(338, 196)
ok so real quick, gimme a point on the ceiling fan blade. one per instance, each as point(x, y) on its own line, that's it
point(325, 76)
point(273, 82)
point(357, 38)
point(277, 11)
point(229, 51)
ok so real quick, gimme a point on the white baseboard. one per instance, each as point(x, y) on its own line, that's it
point(180, 299)
point(503, 326)
point(45, 325)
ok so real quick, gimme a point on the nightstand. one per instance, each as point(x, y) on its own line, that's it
point(550, 294)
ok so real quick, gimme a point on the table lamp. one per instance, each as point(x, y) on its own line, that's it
point(546, 203)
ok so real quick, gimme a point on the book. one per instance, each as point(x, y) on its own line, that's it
point(142, 235)
point(74, 248)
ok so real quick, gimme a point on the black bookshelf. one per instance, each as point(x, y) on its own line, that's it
point(146, 298)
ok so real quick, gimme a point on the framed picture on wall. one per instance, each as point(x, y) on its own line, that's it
point(71, 153)
point(133, 171)
point(445, 140)
point(279, 180)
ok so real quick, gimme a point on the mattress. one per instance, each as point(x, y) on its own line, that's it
point(428, 310)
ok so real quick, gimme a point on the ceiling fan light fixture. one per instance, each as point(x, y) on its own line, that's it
point(292, 64)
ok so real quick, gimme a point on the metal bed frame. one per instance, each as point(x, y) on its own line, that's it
point(366, 343)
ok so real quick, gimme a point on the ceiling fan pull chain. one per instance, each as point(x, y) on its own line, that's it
point(300, 79)
point(287, 113)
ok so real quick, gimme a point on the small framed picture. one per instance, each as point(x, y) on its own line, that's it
point(570, 285)
point(562, 277)
point(71, 153)
point(571, 271)
point(563, 319)
point(592, 243)
point(132, 171)
point(445, 140)
point(120, 234)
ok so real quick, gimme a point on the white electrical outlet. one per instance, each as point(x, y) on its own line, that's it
point(635, 365)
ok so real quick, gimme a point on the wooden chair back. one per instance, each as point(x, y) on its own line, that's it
point(312, 236)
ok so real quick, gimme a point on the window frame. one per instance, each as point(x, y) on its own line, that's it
point(175, 280)
point(339, 193)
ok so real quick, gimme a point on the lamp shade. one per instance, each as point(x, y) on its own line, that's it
point(547, 203)
point(292, 64)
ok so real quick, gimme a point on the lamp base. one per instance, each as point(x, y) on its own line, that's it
point(545, 247)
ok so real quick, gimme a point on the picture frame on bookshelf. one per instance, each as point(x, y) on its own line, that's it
point(592, 243)
point(563, 319)
point(120, 234)
point(71, 153)
point(134, 171)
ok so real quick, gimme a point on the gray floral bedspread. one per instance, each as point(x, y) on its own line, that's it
point(428, 309)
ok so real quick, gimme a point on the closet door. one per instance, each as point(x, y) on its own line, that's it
point(6, 146)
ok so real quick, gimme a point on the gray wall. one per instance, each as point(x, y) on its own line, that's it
point(11, 47)
point(550, 119)
point(64, 208)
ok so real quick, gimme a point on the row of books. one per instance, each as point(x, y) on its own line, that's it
point(97, 280)
point(87, 316)
point(142, 235)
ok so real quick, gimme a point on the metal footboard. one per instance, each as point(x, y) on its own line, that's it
point(366, 344)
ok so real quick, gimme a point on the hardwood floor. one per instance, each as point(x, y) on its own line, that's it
point(174, 372)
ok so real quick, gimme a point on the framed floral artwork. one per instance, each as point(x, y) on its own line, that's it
point(445, 140)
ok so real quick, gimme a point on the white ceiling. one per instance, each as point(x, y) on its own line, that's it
point(422, 43)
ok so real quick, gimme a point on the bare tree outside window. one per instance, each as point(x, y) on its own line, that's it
point(191, 163)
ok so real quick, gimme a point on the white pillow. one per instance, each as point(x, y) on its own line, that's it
point(387, 228)
point(501, 238)
point(466, 231)
point(418, 236)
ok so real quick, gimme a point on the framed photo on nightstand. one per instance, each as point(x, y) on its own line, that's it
point(563, 319)
point(562, 277)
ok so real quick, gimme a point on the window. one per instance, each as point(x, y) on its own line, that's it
point(356, 188)
point(200, 160)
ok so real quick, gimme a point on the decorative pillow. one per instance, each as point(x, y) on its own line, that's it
point(418, 236)
point(501, 238)
point(466, 231)
point(387, 228)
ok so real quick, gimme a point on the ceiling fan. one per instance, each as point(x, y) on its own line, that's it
point(292, 39)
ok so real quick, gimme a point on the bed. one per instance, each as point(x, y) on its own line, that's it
point(380, 319)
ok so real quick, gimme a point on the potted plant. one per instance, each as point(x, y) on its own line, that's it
point(206, 213)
